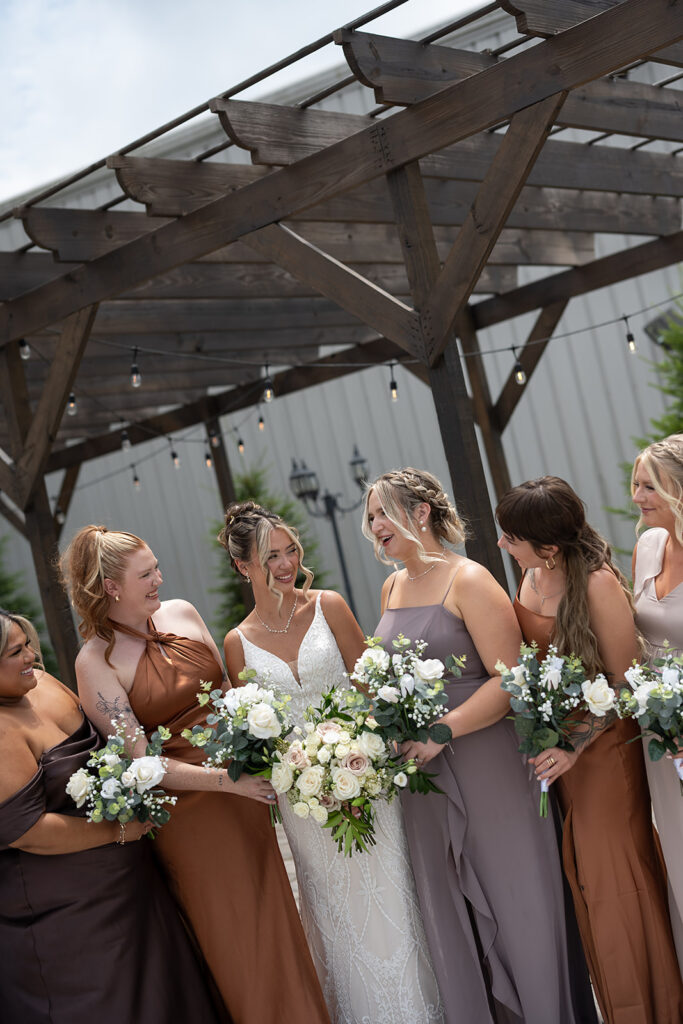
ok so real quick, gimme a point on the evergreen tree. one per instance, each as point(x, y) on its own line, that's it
point(251, 486)
point(14, 599)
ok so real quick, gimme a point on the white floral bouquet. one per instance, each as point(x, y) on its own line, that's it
point(546, 697)
point(337, 767)
point(121, 788)
point(655, 700)
point(407, 695)
point(243, 728)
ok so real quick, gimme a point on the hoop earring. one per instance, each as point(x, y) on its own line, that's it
point(548, 561)
point(116, 598)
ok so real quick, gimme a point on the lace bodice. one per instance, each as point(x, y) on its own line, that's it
point(319, 665)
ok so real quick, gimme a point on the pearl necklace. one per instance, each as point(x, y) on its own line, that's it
point(289, 620)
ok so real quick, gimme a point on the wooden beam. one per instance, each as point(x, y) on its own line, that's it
point(66, 492)
point(497, 194)
point(13, 516)
point(371, 305)
point(620, 266)
point(529, 356)
point(591, 49)
point(226, 489)
point(446, 379)
point(71, 233)
point(50, 409)
point(171, 188)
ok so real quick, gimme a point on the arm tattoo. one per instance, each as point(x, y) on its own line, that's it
point(585, 732)
point(220, 779)
point(114, 709)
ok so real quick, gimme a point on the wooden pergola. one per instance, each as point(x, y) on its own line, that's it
point(372, 232)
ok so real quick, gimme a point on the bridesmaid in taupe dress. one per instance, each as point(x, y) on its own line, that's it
point(658, 595)
point(88, 931)
point(486, 866)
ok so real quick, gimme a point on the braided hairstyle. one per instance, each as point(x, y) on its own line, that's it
point(400, 491)
point(663, 462)
point(95, 554)
point(9, 619)
point(545, 512)
point(246, 534)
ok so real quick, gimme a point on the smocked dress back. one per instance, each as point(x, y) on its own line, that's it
point(221, 854)
point(486, 866)
point(88, 936)
point(613, 863)
point(660, 620)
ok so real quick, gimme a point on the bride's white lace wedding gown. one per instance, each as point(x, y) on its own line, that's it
point(360, 913)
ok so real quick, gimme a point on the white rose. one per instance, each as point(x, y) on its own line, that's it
point(400, 779)
point(389, 694)
point(344, 736)
point(371, 744)
point(397, 663)
point(147, 772)
point(346, 786)
point(328, 732)
point(373, 658)
point(301, 809)
point(110, 789)
point(79, 786)
point(324, 755)
point(370, 722)
point(642, 694)
point(282, 777)
point(671, 677)
point(406, 683)
point(310, 780)
point(263, 722)
point(341, 750)
point(111, 760)
point(552, 679)
point(599, 696)
point(429, 670)
point(319, 814)
point(127, 778)
point(312, 743)
point(519, 673)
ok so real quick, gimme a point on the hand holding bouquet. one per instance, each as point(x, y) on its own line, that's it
point(243, 727)
point(656, 702)
point(546, 698)
point(121, 788)
point(337, 767)
point(407, 695)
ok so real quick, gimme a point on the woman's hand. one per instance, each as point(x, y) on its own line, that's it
point(134, 830)
point(553, 762)
point(421, 753)
point(254, 787)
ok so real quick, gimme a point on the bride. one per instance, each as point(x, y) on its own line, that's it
point(360, 913)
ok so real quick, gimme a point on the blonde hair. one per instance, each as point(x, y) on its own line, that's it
point(9, 619)
point(96, 554)
point(399, 492)
point(248, 526)
point(663, 461)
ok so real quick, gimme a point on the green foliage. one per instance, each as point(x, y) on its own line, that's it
point(14, 599)
point(251, 486)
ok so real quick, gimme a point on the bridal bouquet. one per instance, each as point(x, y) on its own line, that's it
point(243, 726)
point(338, 766)
point(407, 695)
point(546, 696)
point(656, 702)
point(121, 788)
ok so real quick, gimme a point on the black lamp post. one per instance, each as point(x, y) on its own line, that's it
point(305, 486)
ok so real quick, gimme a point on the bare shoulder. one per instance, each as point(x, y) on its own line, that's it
point(91, 655)
point(473, 577)
point(603, 584)
point(232, 642)
point(330, 600)
point(176, 610)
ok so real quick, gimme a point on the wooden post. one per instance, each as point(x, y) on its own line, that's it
point(226, 488)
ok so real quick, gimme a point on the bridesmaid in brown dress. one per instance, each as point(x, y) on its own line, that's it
point(144, 659)
point(88, 929)
point(574, 596)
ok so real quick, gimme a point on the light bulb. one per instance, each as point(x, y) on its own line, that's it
point(24, 349)
point(240, 446)
point(207, 459)
point(520, 375)
point(631, 342)
point(393, 389)
point(125, 441)
point(261, 424)
point(174, 458)
point(71, 405)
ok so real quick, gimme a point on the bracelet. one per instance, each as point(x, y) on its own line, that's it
point(122, 834)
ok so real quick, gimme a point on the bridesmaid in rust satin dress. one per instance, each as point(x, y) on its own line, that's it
point(144, 660)
point(572, 595)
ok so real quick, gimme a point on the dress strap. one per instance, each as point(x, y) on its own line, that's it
point(452, 580)
point(391, 590)
point(152, 636)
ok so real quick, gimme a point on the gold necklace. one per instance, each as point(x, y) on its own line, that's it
point(536, 590)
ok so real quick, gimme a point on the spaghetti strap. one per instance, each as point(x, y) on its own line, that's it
point(450, 582)
point(391, 590)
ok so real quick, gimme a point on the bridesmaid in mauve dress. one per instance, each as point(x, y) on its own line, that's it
point(658, 596)
point(573, 596)
point(486, 866)
point(88, 930)
point(219, 850)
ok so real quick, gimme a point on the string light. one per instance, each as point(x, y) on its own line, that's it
point(214, 438)
point(174, 455)
point(630, 340)
point(136, 478)
point(71, 405)
point(393, 386)
point(125, 441)
point(268, 393)
point(261, 424)
point(207, 458)
point(240, 446)
point(520, 375)
point(135, 375)
point(60, 518)
point(24, 349)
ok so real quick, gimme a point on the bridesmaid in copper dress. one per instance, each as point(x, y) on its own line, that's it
point(658, 595)
point(486, 866)
point(144, 659)
point(574, 596)
point(88, 929)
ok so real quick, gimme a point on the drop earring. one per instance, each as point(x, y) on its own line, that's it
point(423, 528)
point(247, 578)
point(116, 598)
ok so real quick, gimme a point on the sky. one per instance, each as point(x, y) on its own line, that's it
point(81, 78)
